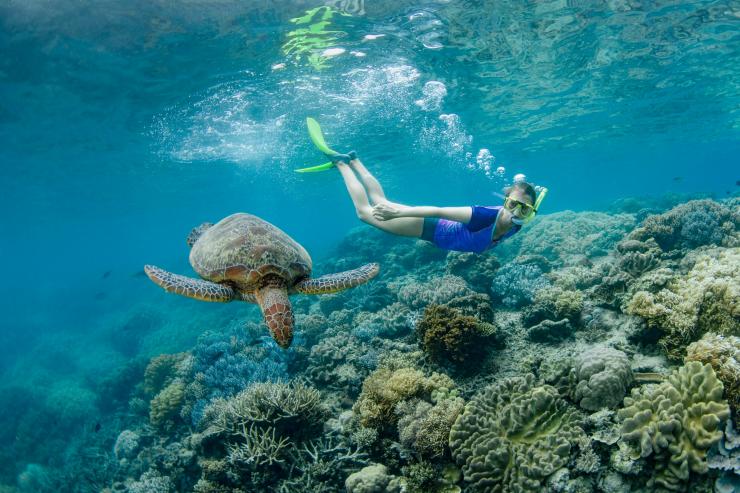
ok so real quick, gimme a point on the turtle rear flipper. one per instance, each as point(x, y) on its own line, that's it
point(187, 286)
point(196, 233)
point(331, 283)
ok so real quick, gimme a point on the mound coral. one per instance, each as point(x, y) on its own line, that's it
point(438, 290)
point(513, 435)
point(675, 422)
point(373, 479)
point(555, 304)
point(516, 283)
point(336, 363)
point(689, 225)
point(723, 353)
point(163, 369)
point(601, 376)
point(706, 299)
point(446, 335)
point(385, 388)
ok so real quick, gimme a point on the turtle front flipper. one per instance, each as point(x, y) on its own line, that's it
point(187, 286)
point(331, 283)
point(278, 313)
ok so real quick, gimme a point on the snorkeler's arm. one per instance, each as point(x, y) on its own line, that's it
point(386, 211)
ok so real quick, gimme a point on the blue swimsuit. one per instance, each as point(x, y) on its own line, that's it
point(475, 236)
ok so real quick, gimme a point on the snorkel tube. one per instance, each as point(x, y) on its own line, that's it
point(536, 207)
point(317, 137)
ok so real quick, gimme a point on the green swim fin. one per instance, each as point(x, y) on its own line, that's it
point(319, 167)
point(317, 137)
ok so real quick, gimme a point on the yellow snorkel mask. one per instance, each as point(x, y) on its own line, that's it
point(528, 216)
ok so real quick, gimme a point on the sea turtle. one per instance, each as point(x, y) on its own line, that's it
point(243, 257)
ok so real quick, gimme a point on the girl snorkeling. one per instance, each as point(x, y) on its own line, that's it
point(464, 229)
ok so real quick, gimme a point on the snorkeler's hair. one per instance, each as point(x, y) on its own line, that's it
point(523, 187)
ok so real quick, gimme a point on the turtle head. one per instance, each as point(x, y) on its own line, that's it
point(278, 313)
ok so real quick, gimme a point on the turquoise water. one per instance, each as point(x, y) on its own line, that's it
point(125, 124)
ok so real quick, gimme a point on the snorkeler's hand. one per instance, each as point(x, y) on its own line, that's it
point(385, 211)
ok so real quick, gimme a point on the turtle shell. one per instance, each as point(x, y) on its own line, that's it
point(242, 249)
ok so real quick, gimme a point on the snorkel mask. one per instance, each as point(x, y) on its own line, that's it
point(521, 206)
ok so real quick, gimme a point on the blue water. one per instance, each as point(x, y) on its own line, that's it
point(123, 124)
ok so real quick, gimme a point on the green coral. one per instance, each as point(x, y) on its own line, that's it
point(705, 299)
point(385, 388)
point(425, 427)
point(723, 353)
point(513, 436)
point(164, 409)
point(554, 303)
point(446, 335)
point(162, 370)
point(675, 422)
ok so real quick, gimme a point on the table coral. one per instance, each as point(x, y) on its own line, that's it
point(513, 435)
point(675, 422)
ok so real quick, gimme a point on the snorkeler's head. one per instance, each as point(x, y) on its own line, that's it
point(520, 199)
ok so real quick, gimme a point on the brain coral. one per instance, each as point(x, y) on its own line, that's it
point(676, 422)
point(602, 375)
point(706, 299)
point(513, 435)
point(723, 353)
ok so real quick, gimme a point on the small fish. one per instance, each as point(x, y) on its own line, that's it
point(678, 178)
point(97, 427)
point(106, 274)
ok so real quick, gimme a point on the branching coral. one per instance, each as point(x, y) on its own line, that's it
point(335, 363)
point(425, 427)
point(164, 410)
point(706, 299)
point(516, 283)
point(448, 336)
point(513, 435)
point(675, 422)
point(723, 353)
point(555, 304)
point(438, 290)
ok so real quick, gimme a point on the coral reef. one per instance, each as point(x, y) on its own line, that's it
point(516, 283)
point(675, 423)
point(373, 479)
point(425, 427)
point(723, 353)
point(513, 435)
point(602, 376)
point(689, 225)
point(446, 335)
point(438, 291)
point(706, 299)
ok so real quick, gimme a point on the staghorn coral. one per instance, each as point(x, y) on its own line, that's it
point(446, 335)
point(675, 422)
point(601, 376)
point(385, 388)
point(293, 409)
point(689, 225)
point(706, 299)
point(513, 435)
point(723, 353)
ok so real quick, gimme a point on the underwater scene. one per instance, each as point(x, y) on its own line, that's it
point(370, 246)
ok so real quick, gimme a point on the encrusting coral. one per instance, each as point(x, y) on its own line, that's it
point(723, 353)
point(513, 435)
point(675, 423)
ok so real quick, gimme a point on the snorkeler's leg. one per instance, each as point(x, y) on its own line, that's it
point(403, 226)
point(374, 189)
